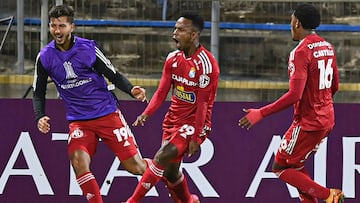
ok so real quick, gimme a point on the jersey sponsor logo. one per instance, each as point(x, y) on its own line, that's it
point(75, 84)
point(204, 81)
point(183, 95)
point(183, 80)
point(71, 77)
point(192, 72)
point(319, 44)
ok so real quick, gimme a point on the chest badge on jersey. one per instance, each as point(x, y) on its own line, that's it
point(204, 81)
point(70, 73)
point(192, 72)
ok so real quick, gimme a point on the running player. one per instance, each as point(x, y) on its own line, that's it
point(192, 74)
point(313, 82)
point(77, 66)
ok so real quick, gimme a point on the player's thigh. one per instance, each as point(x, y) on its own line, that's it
point(178, 140)
point(167, 152)
point(116, 134)
point(81, 137)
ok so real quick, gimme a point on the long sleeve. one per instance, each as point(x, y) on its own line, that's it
point(105, 67)
point(296, 89)
point(39, 89)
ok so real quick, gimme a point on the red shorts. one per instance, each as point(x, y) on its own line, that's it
point(297, 145)
point(111, 129)
point(180, 136)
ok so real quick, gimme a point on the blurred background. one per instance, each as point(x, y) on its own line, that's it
point(250, 39)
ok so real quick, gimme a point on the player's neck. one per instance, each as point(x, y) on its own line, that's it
point(307, 32)
point(192, 50)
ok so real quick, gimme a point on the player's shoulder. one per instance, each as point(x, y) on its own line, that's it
point(48, 51)
point(208, 61)
point(84, 43)
point(205, 55)
point(49, 46)
point(173, 54)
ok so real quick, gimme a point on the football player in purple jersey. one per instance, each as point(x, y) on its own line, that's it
point(77, 66)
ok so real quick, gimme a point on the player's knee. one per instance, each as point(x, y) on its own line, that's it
point(80, 162)
point(163, 158)
point(172, 176)
point(138, 169)
point(277, 172)
point(278, 169)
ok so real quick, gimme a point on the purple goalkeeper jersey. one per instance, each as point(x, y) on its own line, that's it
point(82, 88)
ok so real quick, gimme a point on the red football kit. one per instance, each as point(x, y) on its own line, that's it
point(313, 74)
point(193, 82)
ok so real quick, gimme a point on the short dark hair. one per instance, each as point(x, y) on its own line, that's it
point(308, 15)
point(62, 10)
point(196, 19)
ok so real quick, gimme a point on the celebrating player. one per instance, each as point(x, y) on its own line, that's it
point(193, 73)
point(77, 66)
point(313, 82)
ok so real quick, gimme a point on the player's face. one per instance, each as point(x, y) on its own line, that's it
point(60, 30)
point(294, 24)
point(184, 34)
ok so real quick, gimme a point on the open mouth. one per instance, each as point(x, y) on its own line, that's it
point(58, 37)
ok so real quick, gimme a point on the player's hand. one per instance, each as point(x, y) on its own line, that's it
point(139, 93)
point(193, 148)
point(251, 118)
point(140, 120)
point(43, 124)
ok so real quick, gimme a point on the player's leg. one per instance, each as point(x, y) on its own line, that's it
point(336, 196)
point(171, 191)
point(179, 190)
point(296, 147)
point(169, 185)
point(81, 148)
point(154, 172)
point(135, 165)
point(301, 181)
point(116, 134)
point(305, 198)
point(176, 181)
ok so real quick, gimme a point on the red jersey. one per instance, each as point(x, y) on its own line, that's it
point(194, 82)
point(314, 79)
point(314, 60)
